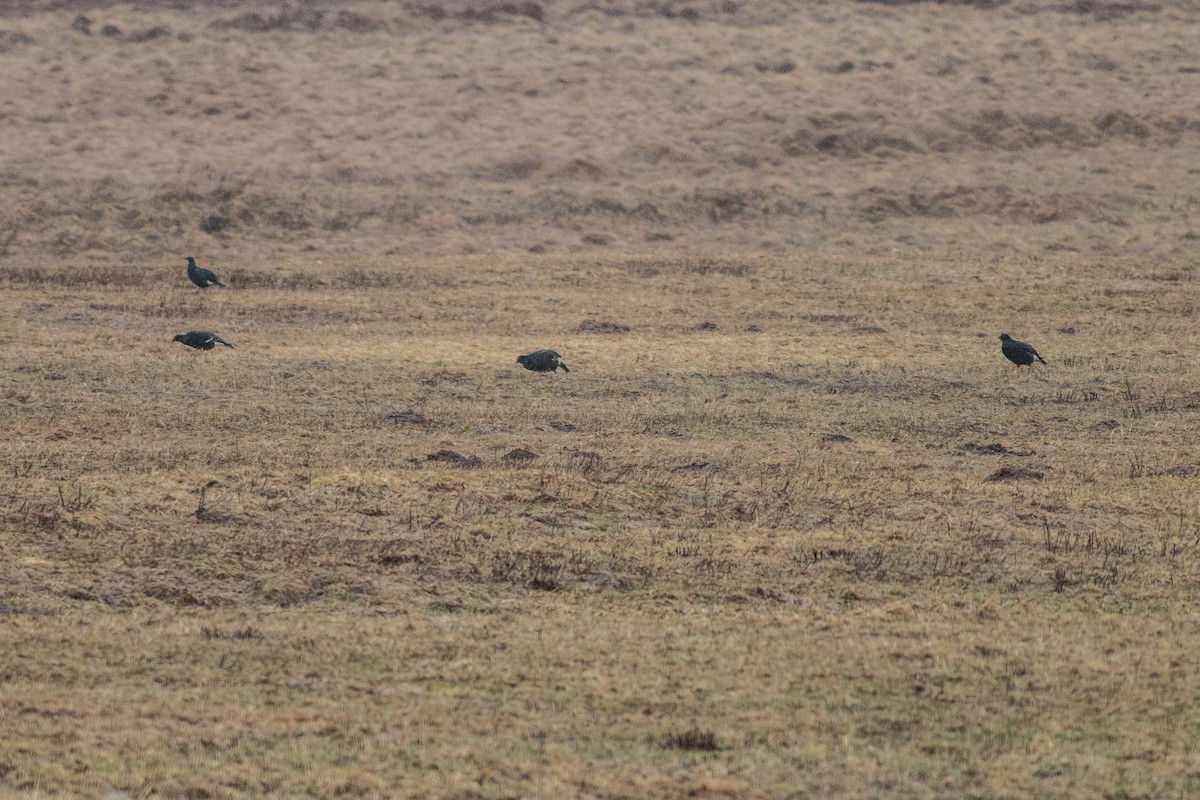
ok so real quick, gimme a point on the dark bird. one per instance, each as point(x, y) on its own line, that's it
point(1019, 353)
point(202, 277)
point(542, 361)
point(201, 340)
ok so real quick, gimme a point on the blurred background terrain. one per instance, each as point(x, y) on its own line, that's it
point(244, 129)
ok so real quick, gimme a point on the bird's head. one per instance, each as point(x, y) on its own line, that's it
point(521, 359)
point(191, 260)
point(178, 337)
point(1004, 337)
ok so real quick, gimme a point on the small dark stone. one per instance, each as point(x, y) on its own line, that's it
point(519, 456)
point(836, 438)
point(706, 326)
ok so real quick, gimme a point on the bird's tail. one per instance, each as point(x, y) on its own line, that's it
point(564, 366)
point(227, 344)
point(1039, 358)
point(218, 283)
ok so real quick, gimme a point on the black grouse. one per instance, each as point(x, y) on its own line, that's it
point(1019, 353)
point(202, 277)
point(542, 361)
point(201, 340)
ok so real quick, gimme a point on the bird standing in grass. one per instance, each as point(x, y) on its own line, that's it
point(201, 340)
point(1021, 354)
point(542, 361)
point(202, 277)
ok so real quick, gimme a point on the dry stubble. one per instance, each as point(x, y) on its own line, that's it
point(757, 551)
point(239, 571)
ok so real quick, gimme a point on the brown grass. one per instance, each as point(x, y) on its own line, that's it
point(240, 571)
point(448, 128)
point(790, 527)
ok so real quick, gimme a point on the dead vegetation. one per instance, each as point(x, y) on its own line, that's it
point(667, 540)
point(485, 127)
point(791, 525)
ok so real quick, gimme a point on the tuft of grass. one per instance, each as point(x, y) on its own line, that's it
point(694, 738)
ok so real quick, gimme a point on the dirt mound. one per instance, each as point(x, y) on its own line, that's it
point(518, 456)
point(514, 169)
point(580, 169)
point(407, 418)
point(1101, 9)
point(479, 12)
point(9, 40)
point(848, 135)
point(596, 326)
point(994, 449)
point(980, 4)
point(1023, 206)
point(288, 18)
point(1014, 474)
point(453, 459)
point(854, 135)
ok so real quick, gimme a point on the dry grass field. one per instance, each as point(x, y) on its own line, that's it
point(790, 527)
